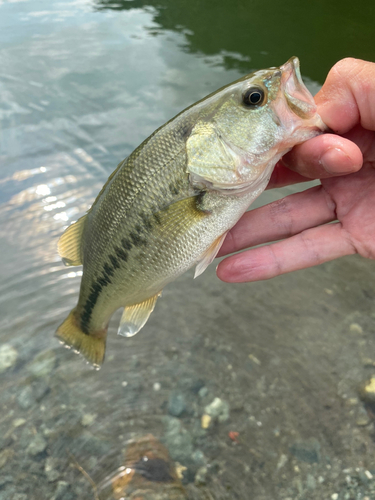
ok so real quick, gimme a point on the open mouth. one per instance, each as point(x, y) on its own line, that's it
point(297, 96)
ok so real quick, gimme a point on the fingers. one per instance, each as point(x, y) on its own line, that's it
point(345, 102)
point(280, 219)
point(284, 176)
point(309, 248)
point(348, 96)
point(324, 156)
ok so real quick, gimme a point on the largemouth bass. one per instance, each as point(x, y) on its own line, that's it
point(169, 205)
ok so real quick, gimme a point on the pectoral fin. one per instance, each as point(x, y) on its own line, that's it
point(209, 255)
point(69, 245)
point(134, 317)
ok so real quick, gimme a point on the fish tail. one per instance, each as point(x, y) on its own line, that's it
point(91, 346)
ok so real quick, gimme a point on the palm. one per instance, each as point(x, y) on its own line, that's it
point(353, 196)
point(300, 221)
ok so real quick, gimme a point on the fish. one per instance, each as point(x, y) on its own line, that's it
point(169, 205)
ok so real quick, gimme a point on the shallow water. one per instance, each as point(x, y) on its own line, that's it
point(82, 83)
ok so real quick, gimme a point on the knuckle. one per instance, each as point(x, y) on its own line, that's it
point(281, 215)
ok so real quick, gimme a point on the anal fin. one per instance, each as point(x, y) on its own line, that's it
point(134, 317)
point(209, 255)
point(69, 245)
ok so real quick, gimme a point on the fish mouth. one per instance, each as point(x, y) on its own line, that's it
point(298, 97)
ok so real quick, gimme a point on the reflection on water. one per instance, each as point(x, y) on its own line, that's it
point(319, 32)
point(276, 365)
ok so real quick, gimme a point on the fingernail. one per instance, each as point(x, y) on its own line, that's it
point(336, 161)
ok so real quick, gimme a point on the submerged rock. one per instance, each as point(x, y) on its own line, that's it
point(367, 391)
point(307, 451)
point(43, 364)
point(176, 404)
point(37, 445)
point(178, 440)
point(8, 357)
point(218, 410)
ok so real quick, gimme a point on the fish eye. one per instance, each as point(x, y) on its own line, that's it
point(254, 96)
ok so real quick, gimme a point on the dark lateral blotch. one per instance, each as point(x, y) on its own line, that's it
point(126, 244)
point(122, 254)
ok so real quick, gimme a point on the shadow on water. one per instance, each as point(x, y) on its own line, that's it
point(266, 33)
point(275, 365)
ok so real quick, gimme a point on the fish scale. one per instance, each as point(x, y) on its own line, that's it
point(169, 205)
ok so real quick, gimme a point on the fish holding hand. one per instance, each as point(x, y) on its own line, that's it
point(169, 205)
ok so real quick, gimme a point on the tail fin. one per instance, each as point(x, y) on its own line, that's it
point(91, 346)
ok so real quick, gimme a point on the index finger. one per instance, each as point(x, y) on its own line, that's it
point(347, 97)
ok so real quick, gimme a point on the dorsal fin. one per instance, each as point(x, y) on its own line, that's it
point(69, 245)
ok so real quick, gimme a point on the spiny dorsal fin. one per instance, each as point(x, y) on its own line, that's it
point(134, 317)
point(69, 245)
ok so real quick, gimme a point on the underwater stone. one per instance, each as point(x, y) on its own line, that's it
point(203, 392)
point(19, 496)
point(178, 440)
point(218, 409)
point(26, 398)
point(88, 419)
point(50, 470)
point(43, 364)
point(37, 445)
point(176, 404)
point(62, 491)
point(307, 451)
point(8, 357)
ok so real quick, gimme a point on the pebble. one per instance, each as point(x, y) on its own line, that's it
point(88, 419)
point(6, 455)
point(363, 420)
point(282, 461)
point(26, 398)
point(310, 482)
point(37, 445)
point(50, 470)
point(200, 476)
point(178, 440)
point(61, 490)
point(307, 451)
point(32, 394)
point(18, 422)
point(157, 386)
point(43, 364)
point(356, 328)
point(203, 392)
point(218, 409)
point(206, 421)
point(367, 390)
point(176, 404)
point(198, 457)
point(8, 357)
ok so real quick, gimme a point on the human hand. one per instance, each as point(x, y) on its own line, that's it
point(345, 163)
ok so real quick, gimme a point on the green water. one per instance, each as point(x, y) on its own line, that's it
point(82, 83)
